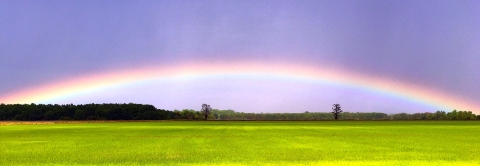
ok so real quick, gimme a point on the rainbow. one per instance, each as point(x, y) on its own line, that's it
point(97, 81)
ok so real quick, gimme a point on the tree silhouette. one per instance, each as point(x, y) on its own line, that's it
point(206, 109)
point(336, 110)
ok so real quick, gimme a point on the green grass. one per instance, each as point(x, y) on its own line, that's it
point(243, 143)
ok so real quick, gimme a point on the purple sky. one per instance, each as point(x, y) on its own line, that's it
point(428, 43)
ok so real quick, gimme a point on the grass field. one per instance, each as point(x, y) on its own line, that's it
point(243, 143)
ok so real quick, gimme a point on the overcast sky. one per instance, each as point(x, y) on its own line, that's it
point(434, 44)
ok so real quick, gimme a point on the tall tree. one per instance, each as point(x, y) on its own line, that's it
point(336, 110)
point(206, 109)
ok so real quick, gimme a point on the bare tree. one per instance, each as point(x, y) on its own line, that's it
point(336, 110)
point(206, 109)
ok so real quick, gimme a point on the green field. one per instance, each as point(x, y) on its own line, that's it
point(243, 143)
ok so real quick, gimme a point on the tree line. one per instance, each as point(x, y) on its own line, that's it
point(439, 115)
point(33, 112)
point(131, 111)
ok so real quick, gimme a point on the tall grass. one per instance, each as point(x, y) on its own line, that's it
point(242, 143)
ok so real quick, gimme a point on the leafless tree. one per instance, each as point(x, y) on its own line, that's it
point(206, 109)
point(336, 110)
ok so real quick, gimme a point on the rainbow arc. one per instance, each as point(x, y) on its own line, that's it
point(97, 81)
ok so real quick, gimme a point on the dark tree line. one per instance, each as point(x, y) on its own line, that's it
point(32, 112)
point(82, 112)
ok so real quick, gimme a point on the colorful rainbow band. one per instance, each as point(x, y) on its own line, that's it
point(96, 81)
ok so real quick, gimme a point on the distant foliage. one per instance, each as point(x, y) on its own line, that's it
point(439, 115)
point(305, 116)
point(36, 112)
